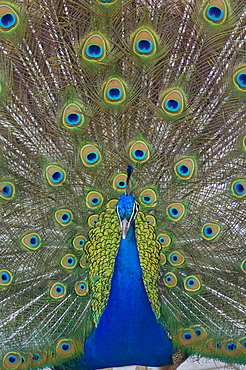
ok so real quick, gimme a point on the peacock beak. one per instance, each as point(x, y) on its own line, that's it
point(125, 225)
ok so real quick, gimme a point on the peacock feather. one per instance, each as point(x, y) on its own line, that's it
point(122, 182)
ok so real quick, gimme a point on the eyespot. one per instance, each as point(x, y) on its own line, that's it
point(57, 291)
point(176, 259)
point(55, 175)
point(119, 182)
point(94, 48)
point(200, 332)
point(238, 188)
point(11, 360)
point(65, 347)
point(151, 220)
point(144, 43)
point(7, 189)
point(72, 116)
point(112, 203)
point(239, 79)
point(92, 220)
point(83, 262)
point(210, 230)
point(170, 280)
point(164, 239)
point(148, 198)
point(184, 168)
point(94, 199)
point(38, 358)
point(175, 211)
point(192, 283)
point(231, 348)
point(64, 217)
point(114, 91)
point(79, 242)
point(31, 241)
point(216, 11)
point(139, 152)
point(173, 102)
point(187, 337)
point(81, 288)
point(243, 343)
point(90, 155)
point(8, 18)
point(163, 259)
point(5, 278)
point(243, 265)
point(69, 261)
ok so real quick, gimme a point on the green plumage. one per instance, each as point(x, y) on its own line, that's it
point(88, 87)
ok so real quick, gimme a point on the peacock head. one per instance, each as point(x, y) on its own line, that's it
point(127, 207)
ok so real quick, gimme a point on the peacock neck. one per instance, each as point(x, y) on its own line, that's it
point(127, 332)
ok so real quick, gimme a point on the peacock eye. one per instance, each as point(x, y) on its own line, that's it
point(114, 91)
point(170, 280)
point(31, 241)
point(65, 348)
point(94, 199)
point(216, 12)
point(90, 155)
point(64, 217)
point(139, 152)
point(210, 230)
point(68, 261)
point(144, 43)
point(192, 283)
point(173, 102)
point(148, 197)
point(72, 116)
point(184, 168)
point(175, 211)
point(79, 242)
point(81, 288)
point(238, 188)
point(5, 277)
point(7, 190)
point(8, 18)
point(164, 239)
point(57, 291)
point(55, 175)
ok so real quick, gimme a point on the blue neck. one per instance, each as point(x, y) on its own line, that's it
point(127, 333)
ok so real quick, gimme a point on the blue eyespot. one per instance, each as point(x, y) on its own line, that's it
point(7, 20)
point(174, 258)
point(190, 282)
point(139, 154)
point(82, 286)
point(66, 217)
point(59, 289)
point(57, 176)
point(198, 332)
point(241, 79)
point(81, 242)
point(214, 13)
point(114, 93)
point(218, 345)
point(70, 261)
point(121, 184)
point(187, 336)
point(231, 346)
point(92, 157)
point(208, 231)
point(34, 241)
point(94, 51)
point(146, 199)
point(172, 105)
point(239, 188)
point(95, 201)
point(66, 346)
point(73, 118)
point(169, 279)
point(7, 190)
point(12, 359)
point(161, 240)
point(36, 357)
point(183, 170)
point(5, 277)
point(144, 46)
point(174, 212)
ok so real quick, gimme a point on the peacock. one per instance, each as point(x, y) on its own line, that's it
point(122, 183)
